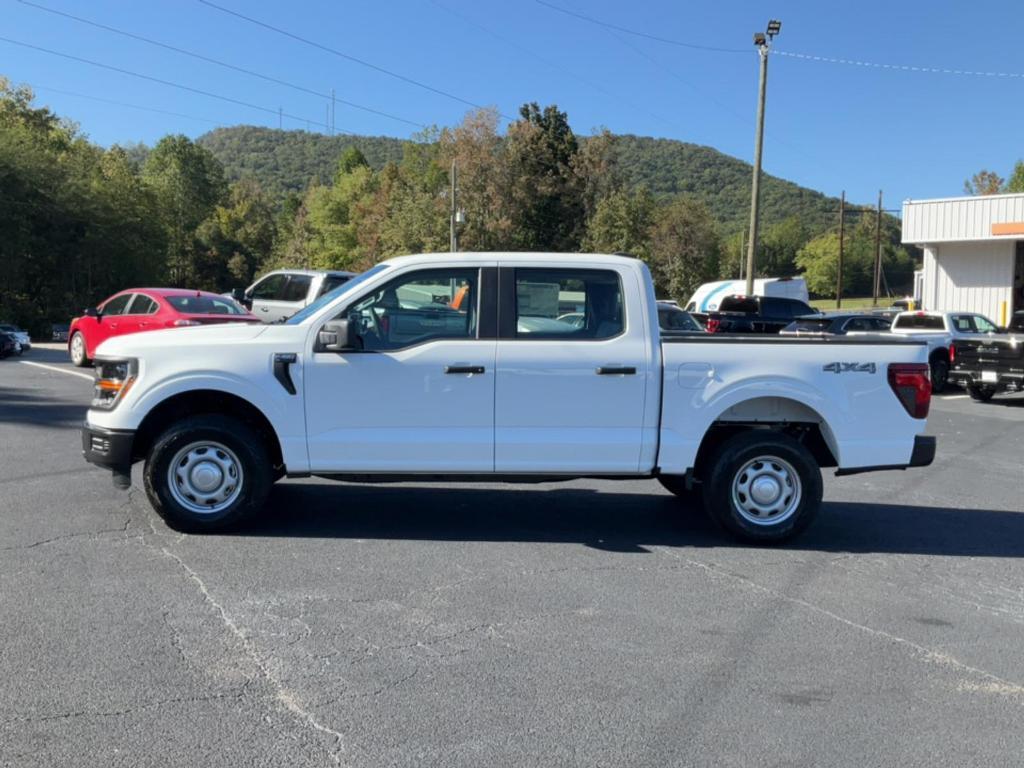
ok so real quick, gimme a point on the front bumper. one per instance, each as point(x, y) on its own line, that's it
point(922, 455)
point(109, 448)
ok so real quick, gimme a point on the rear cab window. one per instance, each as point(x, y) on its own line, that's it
point(746, 304)
point(330, 282)
point(920, 322)
point(568, 304)
point(297, 288)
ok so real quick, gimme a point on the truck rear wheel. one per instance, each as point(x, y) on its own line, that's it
point(207, 473)
point(940, 374)
point(763, 487)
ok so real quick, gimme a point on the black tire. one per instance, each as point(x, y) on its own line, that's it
point(981, 394)
point(78, 359)
point(785, 461)
point(940, 374)
point(245, 453)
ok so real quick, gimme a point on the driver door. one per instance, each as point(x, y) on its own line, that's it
point(419, 396)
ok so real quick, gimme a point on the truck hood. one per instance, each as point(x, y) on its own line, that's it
point(134, 344)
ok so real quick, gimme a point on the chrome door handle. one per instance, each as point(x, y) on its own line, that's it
point(463, 369)
point(616, 370)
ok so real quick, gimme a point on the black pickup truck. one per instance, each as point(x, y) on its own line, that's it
point(990, 364)
point(754, 314)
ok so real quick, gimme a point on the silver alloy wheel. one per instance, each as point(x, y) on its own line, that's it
point(766, 490)
point(77, 348)
point(205, 477)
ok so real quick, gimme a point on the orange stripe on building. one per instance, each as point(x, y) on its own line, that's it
point(1008, 228)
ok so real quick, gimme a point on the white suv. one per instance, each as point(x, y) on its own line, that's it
point(280, 294)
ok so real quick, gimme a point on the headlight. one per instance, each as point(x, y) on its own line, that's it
point(113, 380)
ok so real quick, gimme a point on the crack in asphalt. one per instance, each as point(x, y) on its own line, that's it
point(283, 695)
point(993, 683)
point(235, 695)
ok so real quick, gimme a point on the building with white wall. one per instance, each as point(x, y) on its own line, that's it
point(973, 252)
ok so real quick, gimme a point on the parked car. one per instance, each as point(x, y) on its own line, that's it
point(836, 324)
point(149, 309)
point(467, 389)
point(8, 345)
point(990, 365)
point(672, 318)
point(278, 295)
point(59, 331)
point(20, 336)
point(754, 314)
point(939, 330)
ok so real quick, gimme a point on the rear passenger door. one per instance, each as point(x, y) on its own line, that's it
point(573, 365)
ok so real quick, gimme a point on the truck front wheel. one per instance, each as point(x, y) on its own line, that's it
point(763, 487)
point(207, 473)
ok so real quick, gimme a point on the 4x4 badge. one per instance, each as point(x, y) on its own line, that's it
point(848, 367)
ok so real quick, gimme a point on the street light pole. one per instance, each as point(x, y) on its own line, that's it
point(763, 41)
point(453, 241)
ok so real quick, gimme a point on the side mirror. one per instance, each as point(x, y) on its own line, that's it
point(241, 297)
point(338, 336)
point(91, 312)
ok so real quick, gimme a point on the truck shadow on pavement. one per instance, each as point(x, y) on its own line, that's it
point(617, 522)
point(23, 406)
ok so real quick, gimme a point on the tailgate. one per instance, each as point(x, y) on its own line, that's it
point(999, 353)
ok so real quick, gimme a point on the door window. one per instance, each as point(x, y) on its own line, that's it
point(421, 306)
point(270, 288)
point(983, 325)
point(117, 305)
point(584, 304)
point(142, 305)
point(297, 288)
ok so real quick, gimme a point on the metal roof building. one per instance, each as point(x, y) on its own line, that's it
point(973, 252)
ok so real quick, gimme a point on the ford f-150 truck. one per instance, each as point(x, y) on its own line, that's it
point(506, 366)
point(989, 364)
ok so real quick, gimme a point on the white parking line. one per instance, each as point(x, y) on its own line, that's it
point(59, 370)
point(953, 397)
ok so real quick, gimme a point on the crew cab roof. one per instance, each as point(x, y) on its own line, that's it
point(474, 257)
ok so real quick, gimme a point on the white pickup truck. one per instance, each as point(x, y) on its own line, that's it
point(502, 366)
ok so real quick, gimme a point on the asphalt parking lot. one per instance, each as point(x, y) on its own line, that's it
point(582, 624)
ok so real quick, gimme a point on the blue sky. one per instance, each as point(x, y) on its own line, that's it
point(829, 126)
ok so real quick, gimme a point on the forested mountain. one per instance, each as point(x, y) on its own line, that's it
point(286, 161)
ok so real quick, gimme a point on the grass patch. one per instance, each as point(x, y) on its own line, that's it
point(849, 303)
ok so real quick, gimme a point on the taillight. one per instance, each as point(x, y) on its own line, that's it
point(712, 325)
point(912, 384)
point(952, 353)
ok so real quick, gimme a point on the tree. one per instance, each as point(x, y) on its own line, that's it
point(188, 182)
point(684, 248)
point(778, 247)
point(984, 183)
point(1016, 182)
point(622, 224)
point(236, 239)
point(546, 211)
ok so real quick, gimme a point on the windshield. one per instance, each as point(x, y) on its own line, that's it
point(331, 295)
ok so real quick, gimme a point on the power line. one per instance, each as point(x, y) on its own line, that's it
point(346, 56)
point(549, 63)
point(163, 82)
point(900, 67)
point(123, 104)
point(636, 33)
point(219, 63)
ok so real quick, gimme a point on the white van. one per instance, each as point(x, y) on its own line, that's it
point(707, 297)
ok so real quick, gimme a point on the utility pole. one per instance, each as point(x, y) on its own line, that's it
point(453, 236)
point(839, 266)
point(878, 251)
point(333, 105)
point(280, 117)
point(763, 41)
point(742, 243)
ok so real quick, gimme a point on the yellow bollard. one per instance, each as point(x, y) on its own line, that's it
point(1002, 314)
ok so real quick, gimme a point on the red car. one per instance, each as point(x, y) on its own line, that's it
point(149, 309)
